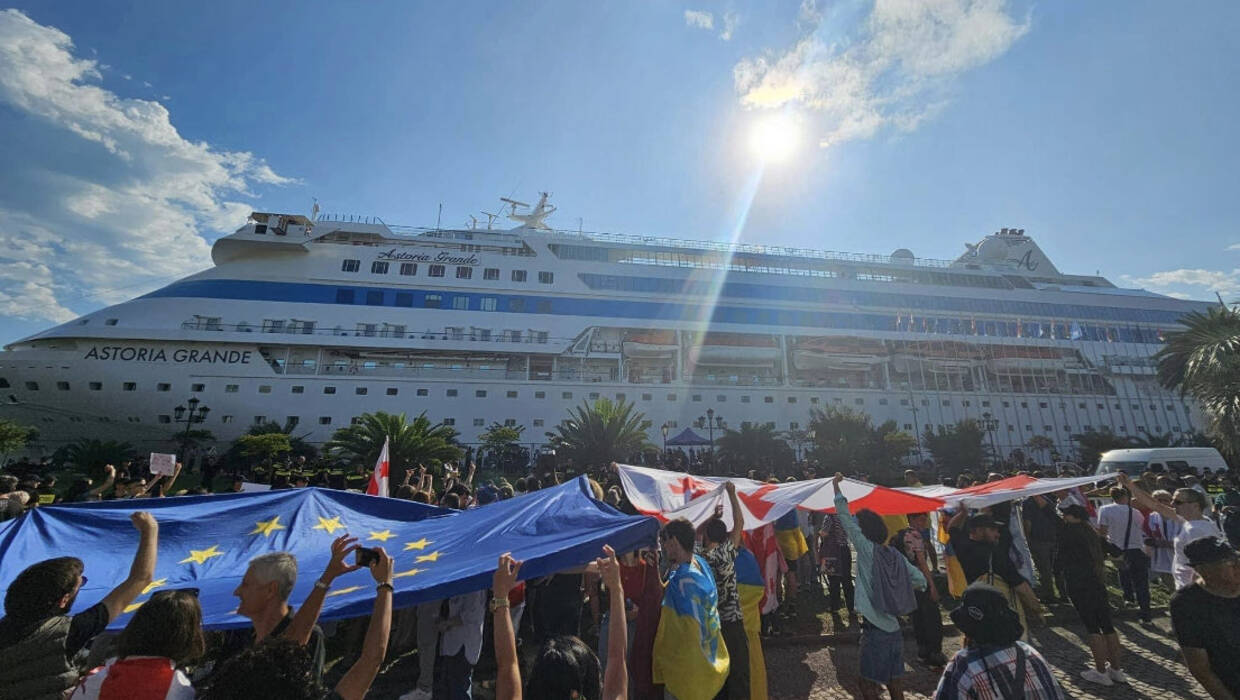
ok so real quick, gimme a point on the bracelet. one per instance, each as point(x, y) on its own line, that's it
point(385, 585)
point(497, 604)
point(322, 584)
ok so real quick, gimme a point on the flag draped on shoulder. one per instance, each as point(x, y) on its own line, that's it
point(668, 495)
point(751, 587)
point(690, 657)
point(378, 485)
point(206, 542)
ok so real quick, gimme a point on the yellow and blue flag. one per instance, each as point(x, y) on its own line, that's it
point(690, 658)
point(206, 542)
point(751, 586)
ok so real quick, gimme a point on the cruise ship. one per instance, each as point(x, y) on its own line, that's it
point(313, 321)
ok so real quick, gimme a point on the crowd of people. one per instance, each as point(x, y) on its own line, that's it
point(617, 627)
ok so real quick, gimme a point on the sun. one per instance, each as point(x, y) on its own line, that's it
point(774, 138)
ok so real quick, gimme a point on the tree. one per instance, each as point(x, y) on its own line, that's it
point(265, 447)
point(1040, 443)
point(847, 440)
point(753, 446)
point(416, 442)
point(958, 447)
point(892, 446)
point(1203, 361)
point(1092, 443)
point(13, 437)
point(600, 433)
point(502, 446)
point(298, 446)
point(93, 455)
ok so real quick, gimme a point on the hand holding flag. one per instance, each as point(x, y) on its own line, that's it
point(378, 485)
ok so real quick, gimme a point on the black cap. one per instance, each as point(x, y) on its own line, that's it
point(1208, 550)
point(982, 520)
point(984, 616)
point(1076, 510)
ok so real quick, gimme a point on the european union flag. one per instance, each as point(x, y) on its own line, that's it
point(206, 542)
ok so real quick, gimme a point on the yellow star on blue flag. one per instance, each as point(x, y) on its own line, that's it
point(266, 527)
point(329, 524)
point(420, 544)
point(383, 536)
point(200, 556)
point(433, 556)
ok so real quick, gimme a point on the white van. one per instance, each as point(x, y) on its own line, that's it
point(1161, 459)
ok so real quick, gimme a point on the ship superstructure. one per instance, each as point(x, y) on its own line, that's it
point(315, 322)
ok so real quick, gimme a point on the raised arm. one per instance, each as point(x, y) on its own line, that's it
point(1143, 499)
point(507, 671)
point(362, 673)
point(166, 486)
point(847, 521)
point(300, 629)
point(141, 571)
point(738, 518)
point(107, 483)
point(616, 678)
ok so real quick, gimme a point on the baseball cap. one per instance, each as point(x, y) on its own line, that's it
point(984, 616)
point(1208, 550)
point(982, 520)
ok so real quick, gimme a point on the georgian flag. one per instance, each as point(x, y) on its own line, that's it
point(669, 495)
point(378, 485)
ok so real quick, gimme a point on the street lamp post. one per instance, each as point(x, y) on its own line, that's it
point(195, 413)
point(664, 429)
point(990, 424)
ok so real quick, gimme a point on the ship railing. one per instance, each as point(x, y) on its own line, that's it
point(497, 335)
point(736, 380)
point(396, 370)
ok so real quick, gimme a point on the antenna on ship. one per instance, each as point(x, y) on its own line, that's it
point(439, 217)
point(513, 204)
point(473, 223)
point(490, 218)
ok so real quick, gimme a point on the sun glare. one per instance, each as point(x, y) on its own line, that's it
point(774, 138)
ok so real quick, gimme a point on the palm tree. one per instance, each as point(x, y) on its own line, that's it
point(1040, 443)
point(754, 445)
point(1203, 361)
point(600, 433)
point(412, 442)
point(92, 455)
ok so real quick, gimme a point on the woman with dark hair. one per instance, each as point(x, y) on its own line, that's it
point(1081, 561)
point(565, 667)
point(164, 634)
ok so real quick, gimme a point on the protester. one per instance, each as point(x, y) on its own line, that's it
point(460, 644)
point(885, 585)
point(38, 637)
point(1188, 509)
point(978, 547)
point(690, 657)
point(719, 548)
point(1206, 617)
point(565, 666)
point(1123, 527)
point(1041, 523)
point(995, 664)
point(835, 558)
point(164, 635)
point(927, 619)
point(1161, 533)
point(1082, 566)
point(280, 668)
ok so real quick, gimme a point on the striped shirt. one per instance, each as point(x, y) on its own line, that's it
point(971, 675)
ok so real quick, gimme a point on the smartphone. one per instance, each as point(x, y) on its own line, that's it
point(365, 556)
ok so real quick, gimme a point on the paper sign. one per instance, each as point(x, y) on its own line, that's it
point(250, 487)
point(163, 464)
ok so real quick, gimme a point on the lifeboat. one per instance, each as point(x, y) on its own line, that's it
point(735, 350)
point(839, 354)
point(650, 345)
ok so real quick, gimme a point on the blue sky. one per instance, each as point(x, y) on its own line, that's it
point(133, 134)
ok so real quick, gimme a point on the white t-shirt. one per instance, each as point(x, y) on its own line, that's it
point(1114, 517)
point(1192, 530)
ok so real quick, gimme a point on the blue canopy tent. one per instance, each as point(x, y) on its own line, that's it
point(206, 542)
point(687, 438)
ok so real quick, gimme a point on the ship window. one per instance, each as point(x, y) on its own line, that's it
point(404, 299)
point(792, 399)
point(292, 421)
point(480, 394)
point(517, 305)
point(259, 419)
point(435, 271)
point(540, 394)
point(908, 426)
point(965, 402)
point(432, 301)
point(374, 298)
point(512, 394)
point(745, 399)
point(325, 420)
point(273, 325)
point(63, 386)
point(859, 402)
point(518, 275)
point(449, 421)
point(1047, 428)
point(165, 419)
point(360, 391)
point(696, 397)
point(351, 265)
point(510, 422)
point(543, 306)
point(813, 399)
point(110, 322)
point(460, 302)
point(838, 400)
point(424, 392)
point(94, 386)
point(671, 397)
point(129, 386)
point(464, 273)
point(479, 422)
point(408, 269)
point(488, 303)
point(197, 387)
point(546, 277)
point(539, 336)
point(490, 273)
point(264, 389)
point(298, 389)
point(451, 393)
point(260, 229)
point(768, 399)
point(226, 419)
point(4, 383)
point(925, 402)
point(1043, 404)
point(367, 329)
point(882, 402)
point(378, 267)
point(329, 390)
point(344, 296)
point(566, 395)
point(355, 420)
point(538, 422)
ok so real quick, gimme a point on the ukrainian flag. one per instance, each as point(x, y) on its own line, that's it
point(789, 536)
point(750, 585)
point(690, 658)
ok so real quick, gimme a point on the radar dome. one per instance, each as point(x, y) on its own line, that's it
point(902, 255)
point(992, 250)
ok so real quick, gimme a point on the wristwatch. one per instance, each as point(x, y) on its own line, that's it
point(322, 584)
point(386, 585)
point(498, 604)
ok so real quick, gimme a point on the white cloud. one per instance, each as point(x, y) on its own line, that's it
point(699, 19)
point(730, 22)
point(82, 225)
point(1190, 283)
point(1234, 246)
point(893, 68)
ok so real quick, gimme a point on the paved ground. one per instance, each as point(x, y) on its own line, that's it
point(817, 672)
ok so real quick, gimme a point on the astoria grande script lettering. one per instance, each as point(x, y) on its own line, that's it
point(120, 353)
